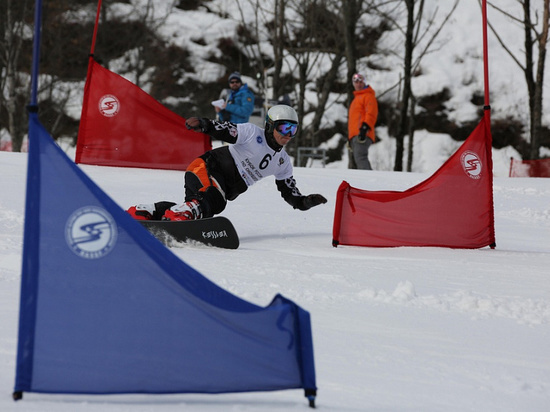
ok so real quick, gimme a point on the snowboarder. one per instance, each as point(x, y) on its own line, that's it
point(224, 173)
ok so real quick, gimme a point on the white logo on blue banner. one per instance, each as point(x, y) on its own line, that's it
point(91, 232)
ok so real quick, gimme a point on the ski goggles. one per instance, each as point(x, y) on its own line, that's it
point(286, 128)
point(357, 78)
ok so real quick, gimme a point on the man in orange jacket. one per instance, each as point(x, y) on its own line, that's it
point(363, 112)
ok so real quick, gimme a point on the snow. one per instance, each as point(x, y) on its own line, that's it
point(394, 329)
point(418, 329)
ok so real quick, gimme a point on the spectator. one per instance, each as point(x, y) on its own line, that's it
point(239, 103)
point(363, 112)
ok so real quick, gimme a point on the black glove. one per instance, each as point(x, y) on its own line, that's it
point(313, 200)
point(363, 132)
point(197, 124)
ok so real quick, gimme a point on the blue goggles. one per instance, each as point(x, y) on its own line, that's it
point(286, 128)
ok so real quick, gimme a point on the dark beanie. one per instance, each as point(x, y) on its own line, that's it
point(235, 75)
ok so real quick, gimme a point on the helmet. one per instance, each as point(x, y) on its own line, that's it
point(282, 112)
point(278, 115)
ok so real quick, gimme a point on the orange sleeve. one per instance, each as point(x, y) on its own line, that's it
point(370, 115)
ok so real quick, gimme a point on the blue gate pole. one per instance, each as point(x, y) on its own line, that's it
point(35, 55)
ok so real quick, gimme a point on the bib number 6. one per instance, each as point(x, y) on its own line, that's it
point(265, 161)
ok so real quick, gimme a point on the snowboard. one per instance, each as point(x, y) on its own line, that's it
point(215, 231)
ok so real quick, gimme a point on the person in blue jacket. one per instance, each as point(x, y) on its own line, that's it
point(240, 102)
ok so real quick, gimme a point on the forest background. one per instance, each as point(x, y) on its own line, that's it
point(421, 56)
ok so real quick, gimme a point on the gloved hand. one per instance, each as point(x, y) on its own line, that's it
point(313, 200)
point(196, 123)
point(363, 132)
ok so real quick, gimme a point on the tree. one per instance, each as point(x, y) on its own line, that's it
point(419, 32)
point(318, 35)
point(140, 54)
point(535, 34)
point(309, 40)
point(351, 12)
point(264, 25)
point(14, 81)
point(62, 56)
point(300, 34)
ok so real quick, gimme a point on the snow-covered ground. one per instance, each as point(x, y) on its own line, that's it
point(395, 329)
point(400, 329)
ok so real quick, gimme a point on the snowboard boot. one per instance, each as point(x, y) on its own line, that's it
point(187, 211)
point(149, 211)
point(142, 211)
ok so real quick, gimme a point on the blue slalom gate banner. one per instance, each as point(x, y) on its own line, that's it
point(106, 308)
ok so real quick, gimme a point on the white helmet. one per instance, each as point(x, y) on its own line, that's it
point(282, 115)
point(282, 112)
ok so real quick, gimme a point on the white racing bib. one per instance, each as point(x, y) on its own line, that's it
point(255, 159)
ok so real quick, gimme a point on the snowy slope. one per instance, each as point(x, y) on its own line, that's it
point(401, 329)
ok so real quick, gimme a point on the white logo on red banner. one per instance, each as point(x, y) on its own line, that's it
point(471, 164)
point(109, 105)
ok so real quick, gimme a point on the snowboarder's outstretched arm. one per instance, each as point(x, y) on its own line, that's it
point(294, 198)
point(225, 131)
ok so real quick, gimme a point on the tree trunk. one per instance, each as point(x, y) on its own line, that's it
point(410, 152)
point(299, 139)
point(351, 12)
point(12, 48)
point(278, 46)
point(528, 70)
point(403, 117)
point(329, 80)
point(536, 128)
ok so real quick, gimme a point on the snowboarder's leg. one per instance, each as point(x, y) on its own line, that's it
point(204, 187)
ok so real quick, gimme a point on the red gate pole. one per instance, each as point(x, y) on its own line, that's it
point(95, 28)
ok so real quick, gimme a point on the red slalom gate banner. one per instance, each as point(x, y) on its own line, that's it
point(530, 168)
point(121, 125)
point(452, 208)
